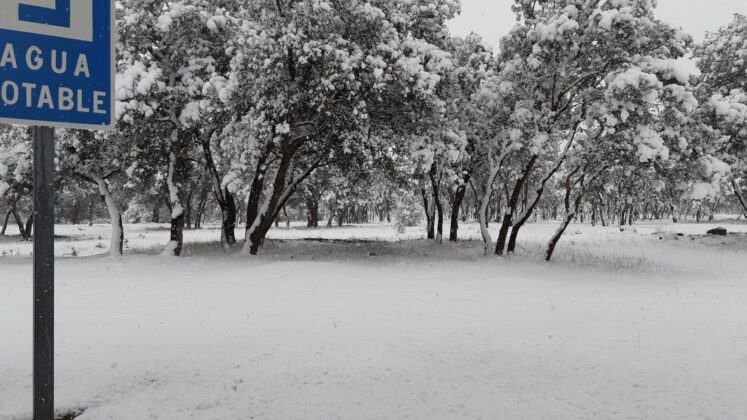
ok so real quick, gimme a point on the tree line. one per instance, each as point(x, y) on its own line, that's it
point(253, 113)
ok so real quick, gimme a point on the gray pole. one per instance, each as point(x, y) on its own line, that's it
point(43, 273)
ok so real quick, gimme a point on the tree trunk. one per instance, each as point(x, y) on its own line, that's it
point(155, 216)
point(188, 209)
point(228, 219)
point(255, 195)
point(511, 207)
point(429, 216)
point(29, 227)
point(570, 214)
point(738, 193)
point(482, 213)
point(75, 213)
point(117, 240)
point(436, 185)
point(90, 212)
point(223, 196)
point(530, 208)
point(19, 222)
point(312, 210)
point(455, 206)
point(5, 224)
point(263, 217)
point(176, 239)
point(201, 208)
point(559, 233)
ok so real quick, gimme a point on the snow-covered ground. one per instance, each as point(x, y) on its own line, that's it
point(639, 324)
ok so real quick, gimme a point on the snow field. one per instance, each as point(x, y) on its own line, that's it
point(622, 326)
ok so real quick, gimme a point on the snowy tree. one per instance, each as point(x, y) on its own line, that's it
point(722, 90)
point(16, 172)
point(301, 78)
point(558, 61)
point(473, 62)
point(98, 158)
point(169, 51)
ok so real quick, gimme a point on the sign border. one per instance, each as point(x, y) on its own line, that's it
point(112, 95)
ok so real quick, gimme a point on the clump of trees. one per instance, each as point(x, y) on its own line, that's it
point(253, 113)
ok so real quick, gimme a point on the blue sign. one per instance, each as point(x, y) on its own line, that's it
point(57, 63)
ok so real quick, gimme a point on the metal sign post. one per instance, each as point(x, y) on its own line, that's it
point(43, 273)
point(56, 70)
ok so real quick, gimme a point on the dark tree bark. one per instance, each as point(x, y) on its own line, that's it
point(201, 208)
point(281, 192)
point(527, 213)
point(177, 234)
point(29, 227)
point(262, 222)
point(312, 210)
point(461, 191)
point(228, 218)
point(436, 185)
point(258, 183)
point(738, 193)
point(225, 199)
point(286, 193)
point(5, 224)
point(188, 210)
point(559, 233)
point(332, 212)
point(76, 213)
point(91, 205)
point(287, 218)
point(155, 216)
point(429, 216)
point(19, 222)
point(570, 211)
point(511, 207)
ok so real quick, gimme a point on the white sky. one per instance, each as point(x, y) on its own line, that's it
point(493, 18)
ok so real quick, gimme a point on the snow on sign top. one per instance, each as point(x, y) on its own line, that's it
point(57, 63)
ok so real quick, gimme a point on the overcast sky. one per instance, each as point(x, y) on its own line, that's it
point(493, 18)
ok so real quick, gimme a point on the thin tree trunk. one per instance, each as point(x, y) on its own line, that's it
point(436, 185)
point(155, 215)
point(117, 241)
point(255, 195)
point(201, 209)
point(19, 222)
point(176, 239)
point(29, 226)
point(559, 233)
point(75, 216)
point(90, 212)
point(188, 209)
point(570, 213)
point(312, 210)
point(226, 200)
point(511, 208)
point(526, 214)
point(332, 211)
point(738, 193)
point(228, 219)
point(482, 213)
point(5, 224)
point(455, 206)
point(429, 216)
point(273, 204)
